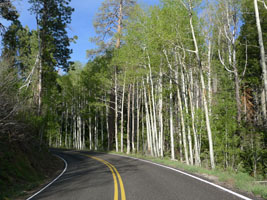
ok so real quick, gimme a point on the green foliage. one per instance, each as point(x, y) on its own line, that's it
point(248, 47)
point(156, 48)
point(7, 12)
point(53, 16)
point(106, 24)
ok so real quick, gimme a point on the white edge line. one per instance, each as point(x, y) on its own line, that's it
point(192, 176)
point(66, 166)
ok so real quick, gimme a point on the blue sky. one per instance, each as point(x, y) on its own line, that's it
point(82, 23)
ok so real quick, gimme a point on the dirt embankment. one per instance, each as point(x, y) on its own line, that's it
point(24, 168)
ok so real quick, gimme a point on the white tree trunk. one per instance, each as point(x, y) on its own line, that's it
point(90, 134)
point(107, 126)
point(187, 113)
point(152, 130)
point(137, 119)
point(153, 113)
point(83, 143)
point(102, 128)
point(180, 108)
point(197, 153)
point(96, 133)
point(143, 125)
point(160, 114)
point(133, 96)
point(203, 89)
point(90, 131)
point(116, 113)
point(66, 128)
point(74, 133)
point(209, 77)
point(79, 133)
point(171, 122)
point(262, 50)
point(148, 125)
point(122, 108)
point(128, 120)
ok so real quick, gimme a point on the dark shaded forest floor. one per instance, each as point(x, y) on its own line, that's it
point(24, 168)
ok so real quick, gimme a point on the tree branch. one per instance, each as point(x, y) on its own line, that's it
point(264, 4)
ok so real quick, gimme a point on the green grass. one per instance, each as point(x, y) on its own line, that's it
point(238, 180)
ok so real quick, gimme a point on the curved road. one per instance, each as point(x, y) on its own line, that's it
point(104, 176)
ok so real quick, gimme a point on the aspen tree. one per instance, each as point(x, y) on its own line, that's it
point(137, 119)
point(262, 52)
point(133, 124)
point(196, 51)
point(160, 112)
point(128, 119)
point(229, 30)
point(171, 109)
point(122, 109)
point(110, 21)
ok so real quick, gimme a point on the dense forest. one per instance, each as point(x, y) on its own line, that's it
point(185, 79)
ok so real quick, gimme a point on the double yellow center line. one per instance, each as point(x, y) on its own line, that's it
point(115, 174)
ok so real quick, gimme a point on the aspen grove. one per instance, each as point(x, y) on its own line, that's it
point(174, 81)
point(185, 79)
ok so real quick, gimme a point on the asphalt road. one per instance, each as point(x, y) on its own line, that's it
point(96, 176)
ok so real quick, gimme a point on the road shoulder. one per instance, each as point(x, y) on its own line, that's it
point(214, 177)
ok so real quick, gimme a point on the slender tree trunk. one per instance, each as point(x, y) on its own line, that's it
point(187, 113)
point(152, 127)
point(40, 75)
point(119, 27)
point(133, 135)
point(116, 114)
point(79, 126)
point(153, 114)
point(143, 126)
point(171, 122)
point(209, 77)
point(128, 120)
point(262, 50)
point(171, 107)
point(66, 128)
point(71, 132)
point(137, 118)
point(102, 128)
point(96, 132)
point(74, 132)
point(148, 126)
point(60, 137)
point(90, 133)
point(107, 123)
point(122, 108)
point(113, 117)
point(197, 153)
point(183, 125)
point(160, 113)
point(40, 80)
point(212, 162)
point(179, 135)
point(180, 109)
point(83, 144)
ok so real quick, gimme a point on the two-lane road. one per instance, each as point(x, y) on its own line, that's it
point(105, 176)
